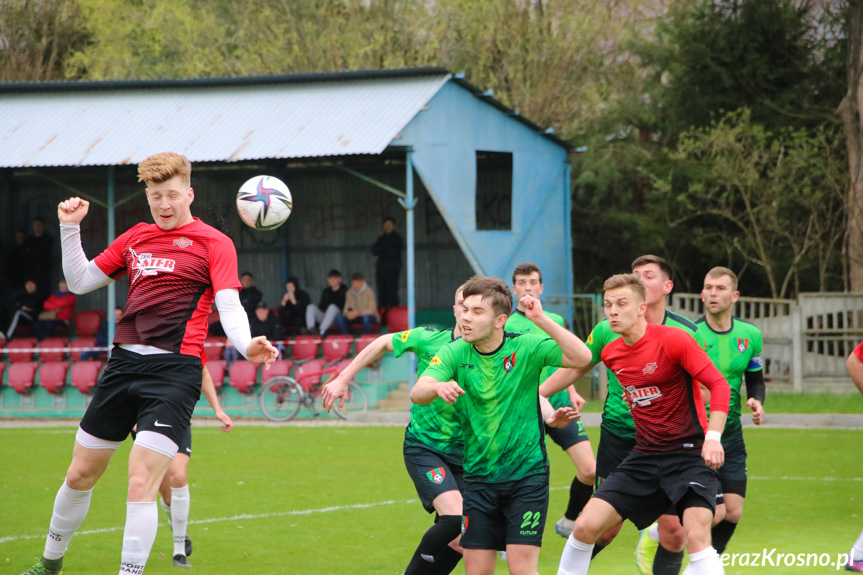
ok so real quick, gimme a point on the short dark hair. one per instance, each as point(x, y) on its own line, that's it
point(389, 219)
point(247, 274)
point(293, 280)
point(663, 264)
point(39, 219)
point(357, 276)
point(491, 289)
point(525, 269)
point(334, 274)
point(630, 281)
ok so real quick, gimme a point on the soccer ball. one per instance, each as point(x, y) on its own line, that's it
point(264, 203)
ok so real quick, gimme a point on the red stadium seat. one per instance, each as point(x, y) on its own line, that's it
point(217, 367)
point(78, 344)
point(22, 375)
point(305, 347)
point(214, 346)
point(337, 346)
point(397, 319)
point(308, 374)
point(341, 365)
point(279, 368)
point(85, 374)
point(2, 369)
point(52, 375)
point(242, 375)
point(23, 349)
point(55, 349)
point(364, 340)
point(87, 322)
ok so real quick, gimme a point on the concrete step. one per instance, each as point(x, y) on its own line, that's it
point(394, 404)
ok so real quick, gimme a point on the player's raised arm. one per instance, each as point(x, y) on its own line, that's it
point(427, 389)
point(82, 275)
point(575, 352)
point(563, 379)
point(338, 387)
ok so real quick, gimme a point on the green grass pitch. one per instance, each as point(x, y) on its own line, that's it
point(337, 500)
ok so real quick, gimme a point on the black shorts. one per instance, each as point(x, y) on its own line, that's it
point(567, 436)
point(500, 514)
point(645, 486)
point(185, 446)
point(432, 474)
point(612, 450)
point(733, 471)
point(157, 392)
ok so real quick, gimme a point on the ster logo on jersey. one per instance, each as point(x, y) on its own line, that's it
point(642, 396)
point(183, 242)
point(742, 344)
point(436, 475)
point(406, 335)
point(147, 265)
point(509, 362)
point(649, 368)
point(435, 361)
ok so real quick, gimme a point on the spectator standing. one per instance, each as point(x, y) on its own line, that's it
point(360, 305)
point(388, 264)
point(250, 296)
point(58, 310)
point(38, 256)
point(294, 303)
point(331, 305)
point(28, 304)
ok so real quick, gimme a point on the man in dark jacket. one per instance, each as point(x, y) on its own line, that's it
point(388, 264)
point(250, 296)
point(294, 304)
point(331, 305)
point(28, 304)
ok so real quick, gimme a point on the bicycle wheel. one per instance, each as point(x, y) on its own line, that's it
point(355, 402)
point(281, 398)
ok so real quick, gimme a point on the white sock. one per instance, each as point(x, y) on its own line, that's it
point(857, 550)
point(165, 507)
point(705, 562)
point(575, 558)
point(653, 532)
point(70, 510)
point(180, 504)
point(142, 522)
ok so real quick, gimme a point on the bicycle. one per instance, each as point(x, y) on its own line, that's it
point(283, 396)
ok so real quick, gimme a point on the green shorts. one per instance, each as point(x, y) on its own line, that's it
point(500, 514)
point(432, 474)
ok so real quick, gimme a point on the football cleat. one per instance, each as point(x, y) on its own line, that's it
point(854, 566)
point(564, 527)
point(188, 546)
point(39, 568)
point(645, 551)
point(180, 561)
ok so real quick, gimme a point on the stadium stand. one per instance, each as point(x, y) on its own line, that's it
point(55, 349)
point(305, 347)
point(52, 376)
point(85, 374)
point(337, 347)
point(77, 344)
point(23, 349)
point(279, 368)
point(309, 374)
point(242, 375)
point(217, 367)
point(397, 319)
point(22, 375)
point(214, 346)
point(87, 322)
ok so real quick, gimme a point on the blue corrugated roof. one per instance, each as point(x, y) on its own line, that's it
point(214, 119)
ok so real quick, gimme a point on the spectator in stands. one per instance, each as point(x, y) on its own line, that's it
point(388, 264)
point(294, 304)
point(28, 304)
point(331, 304)
point(360, 306)
point(38, 256)
point(250, 296)
point(262, 323)
point(102, 337)
point(58, 309)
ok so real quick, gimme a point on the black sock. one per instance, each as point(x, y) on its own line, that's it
point(579, 495)
point(721, 534)
point(667, 562)
point(434, 542)
point(445, 561)
point(596, 549)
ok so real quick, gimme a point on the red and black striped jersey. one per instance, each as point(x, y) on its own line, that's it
point(658, 375)
point(173, 278)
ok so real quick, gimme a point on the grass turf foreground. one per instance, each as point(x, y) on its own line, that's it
point(337, 500)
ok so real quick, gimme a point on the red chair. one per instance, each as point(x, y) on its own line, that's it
point(341, 365)
point(55, 349)
point(242, 375)
point(22, 375)
point(85, 374)
point(309, 374)
point(23, 349)
point(305, 347)
point(279, 368)
point(87, 323)
point(214, 346)
point(52, 375)
point(364, 340)
point(217, 367)
point(397, 318)
point(2, 369)
point(78, 344)
point(337, 347)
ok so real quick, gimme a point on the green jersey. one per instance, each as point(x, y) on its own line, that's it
point(432, 426)
point(518, 323)
point(733, 352)
point(616, 417)
point(504, 435)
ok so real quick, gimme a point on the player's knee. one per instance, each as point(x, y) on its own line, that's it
point(585, 530)
point(606, 538)
point(697, 537)
point(672, 535)
point(733, 513)
point(587, 474)
point(178, 479)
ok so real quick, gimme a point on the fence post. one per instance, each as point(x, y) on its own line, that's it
point(797, 351)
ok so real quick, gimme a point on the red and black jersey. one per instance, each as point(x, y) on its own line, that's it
point(173, 278)
point(658, 375)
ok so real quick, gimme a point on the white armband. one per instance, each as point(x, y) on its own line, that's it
point(234, 319)
point(82, 276)
point(714, 435)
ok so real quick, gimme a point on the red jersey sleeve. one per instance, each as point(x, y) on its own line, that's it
point(223, 264)
point(858, 351)
point(697, 363)
point(111, 261)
